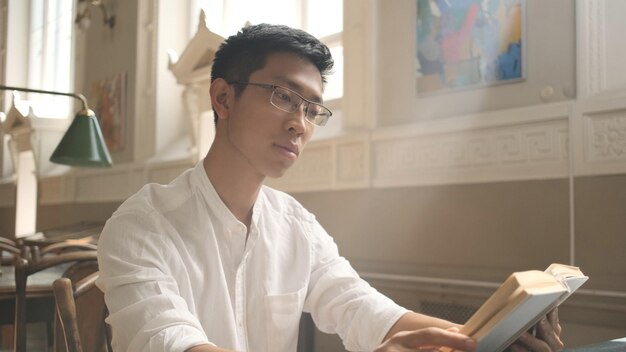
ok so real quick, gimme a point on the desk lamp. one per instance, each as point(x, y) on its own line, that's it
point(82, 145)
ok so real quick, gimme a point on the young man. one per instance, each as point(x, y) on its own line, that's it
point(215, 261)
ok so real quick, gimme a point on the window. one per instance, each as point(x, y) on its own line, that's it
point(39, 55)
point(50, 56)
point(321, 18)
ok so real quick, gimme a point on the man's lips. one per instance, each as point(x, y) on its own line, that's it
point(290, 148)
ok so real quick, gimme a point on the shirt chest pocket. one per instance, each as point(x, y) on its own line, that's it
point(283, 313)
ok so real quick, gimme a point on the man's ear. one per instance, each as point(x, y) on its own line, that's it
point(221, 97)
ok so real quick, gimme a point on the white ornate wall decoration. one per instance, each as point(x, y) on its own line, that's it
point(353, 164)
point(335, 163)
point(110, 187)
point(608, 137)
point(600, 132)
point(313, 170)
point(506, 145)
point(591, 42)
point(164, 173)
point(57, 189)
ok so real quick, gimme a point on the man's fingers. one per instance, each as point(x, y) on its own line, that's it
point(517, 348)
point(553, 318)
point(434, 337)
point(533, 343)
point(547, 333)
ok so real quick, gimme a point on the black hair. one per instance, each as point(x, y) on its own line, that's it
point(246, 52)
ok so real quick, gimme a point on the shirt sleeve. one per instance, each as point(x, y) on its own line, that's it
point(146, 311)
point(341, 302)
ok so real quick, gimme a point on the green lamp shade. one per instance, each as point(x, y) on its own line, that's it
point(83, 144)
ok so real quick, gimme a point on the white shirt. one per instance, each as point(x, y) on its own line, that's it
point(177, 271)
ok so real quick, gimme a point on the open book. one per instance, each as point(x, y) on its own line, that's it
point(519, 303)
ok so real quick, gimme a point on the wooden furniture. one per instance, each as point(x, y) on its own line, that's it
point(61, 247)
point(39, 296)
point(82, 231)
point(25, 269)
point(77, 236)
point(82, 311)
point(8, 253)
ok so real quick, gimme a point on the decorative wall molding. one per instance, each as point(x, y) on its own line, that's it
point(517, 151)
point(329, 164)
point(57, 189)
point(591, 35)
point(519, 144)
point(606, 136)
point(599, 129)
point(89, 186)
point(599, 56)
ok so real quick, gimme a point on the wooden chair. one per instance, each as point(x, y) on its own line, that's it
point(8, 241)
point(82, 311)
point(24, 269)
point(10, 251)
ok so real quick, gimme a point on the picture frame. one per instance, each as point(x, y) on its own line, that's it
point(108, 100)
point(469, 44)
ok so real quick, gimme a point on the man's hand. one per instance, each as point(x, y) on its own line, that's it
point(427, 339)
point(546, 339)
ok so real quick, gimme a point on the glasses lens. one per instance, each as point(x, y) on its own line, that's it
point(317, 114)
point(285, 99)
point(289, 101)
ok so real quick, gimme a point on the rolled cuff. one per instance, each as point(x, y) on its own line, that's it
point(372, 322)
point(177, 336)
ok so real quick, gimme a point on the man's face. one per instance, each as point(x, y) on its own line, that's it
point(264, 137)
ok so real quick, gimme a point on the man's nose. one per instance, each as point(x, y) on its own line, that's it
point(298, 119)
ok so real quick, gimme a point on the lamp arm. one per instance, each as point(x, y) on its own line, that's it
point(30, 90)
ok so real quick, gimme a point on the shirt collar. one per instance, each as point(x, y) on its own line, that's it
point(202, 184)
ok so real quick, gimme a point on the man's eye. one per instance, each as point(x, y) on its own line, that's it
point(283, 96)
point(314, 110)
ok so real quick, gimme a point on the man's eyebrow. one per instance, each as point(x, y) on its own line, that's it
point(296, 87)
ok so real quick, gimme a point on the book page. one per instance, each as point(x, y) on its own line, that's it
point(569, 276)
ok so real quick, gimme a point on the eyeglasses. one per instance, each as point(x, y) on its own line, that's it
point(289, 101)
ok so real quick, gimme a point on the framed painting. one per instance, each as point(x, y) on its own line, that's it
point(469, 43)
point(108, 100)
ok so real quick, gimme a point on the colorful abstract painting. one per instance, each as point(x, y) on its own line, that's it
point(468, 43)
point(107, 99)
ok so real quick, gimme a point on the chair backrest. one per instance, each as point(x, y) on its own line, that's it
point(82, 311)
point(8, 241)
point(23, 269)
point(10, 251)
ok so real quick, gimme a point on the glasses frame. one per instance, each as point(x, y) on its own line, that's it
point(273, 87)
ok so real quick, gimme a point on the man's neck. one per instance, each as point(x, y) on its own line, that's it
point(237, 189)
